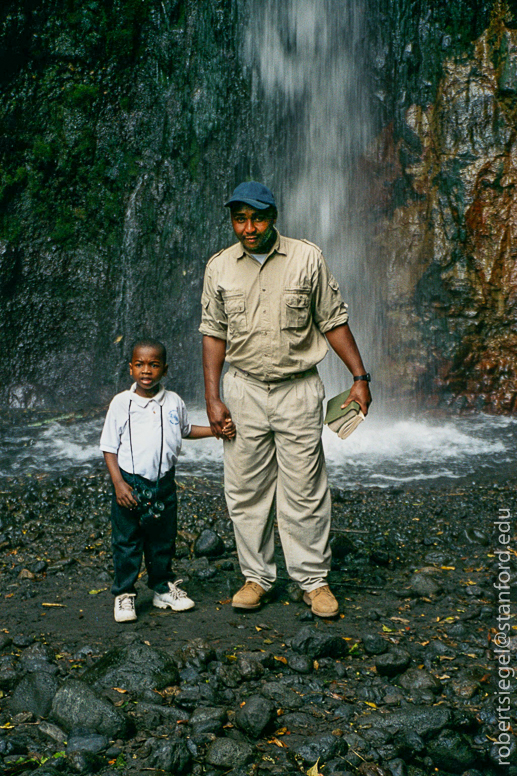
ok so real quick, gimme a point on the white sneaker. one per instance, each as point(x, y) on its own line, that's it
point(125, 608)
point(176, 598)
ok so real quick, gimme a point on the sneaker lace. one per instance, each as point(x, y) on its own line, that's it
point(175, 591)
point(126, 602)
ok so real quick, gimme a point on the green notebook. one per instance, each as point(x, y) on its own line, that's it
point(343, 422)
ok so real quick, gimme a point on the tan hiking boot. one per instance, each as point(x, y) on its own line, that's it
point(248, 597)
point(322, 602)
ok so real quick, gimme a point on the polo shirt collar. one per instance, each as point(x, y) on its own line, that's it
point(143, 401)
point(278, 247)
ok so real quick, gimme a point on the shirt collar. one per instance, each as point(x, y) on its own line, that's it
point(143, 401)
point(278, 247)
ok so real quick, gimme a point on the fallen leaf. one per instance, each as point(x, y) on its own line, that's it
point(59, 605)
point(281, 659)
point(277, 742)
point(96, 592)
point(314, 771)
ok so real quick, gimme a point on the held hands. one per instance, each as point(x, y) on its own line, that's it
point(220, 420)
point(360, 392)
point(229, 429)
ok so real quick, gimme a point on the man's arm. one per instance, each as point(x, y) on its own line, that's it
point(342, 341)
point(214, 351)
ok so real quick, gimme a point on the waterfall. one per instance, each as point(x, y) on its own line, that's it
point(314, 125)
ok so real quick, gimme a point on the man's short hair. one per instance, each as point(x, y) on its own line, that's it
point(150, 343)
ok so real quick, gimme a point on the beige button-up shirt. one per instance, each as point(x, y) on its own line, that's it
point(273, 316)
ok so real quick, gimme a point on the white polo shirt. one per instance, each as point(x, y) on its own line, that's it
point(145, 431)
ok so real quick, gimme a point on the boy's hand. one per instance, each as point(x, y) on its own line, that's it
point(124, 495)
point(229, 429)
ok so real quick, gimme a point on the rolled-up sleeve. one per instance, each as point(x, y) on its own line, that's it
point(214, 321)
point(329, 309)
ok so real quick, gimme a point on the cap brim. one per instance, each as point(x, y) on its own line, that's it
point(251, 202)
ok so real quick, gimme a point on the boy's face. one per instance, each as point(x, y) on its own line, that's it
point(147, 369)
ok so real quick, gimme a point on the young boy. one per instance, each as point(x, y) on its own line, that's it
point(141, 440)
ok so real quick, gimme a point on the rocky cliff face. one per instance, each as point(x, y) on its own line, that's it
point(449, 247)
point(123, 126)
point(122, 129)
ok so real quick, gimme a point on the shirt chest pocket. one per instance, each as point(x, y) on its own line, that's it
point(235, 309)
point(296, 307)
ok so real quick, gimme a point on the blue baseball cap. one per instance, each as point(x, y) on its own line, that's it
point(254, 194)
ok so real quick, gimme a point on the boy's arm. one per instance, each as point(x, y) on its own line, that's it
point(202, 432)
point(123, 491)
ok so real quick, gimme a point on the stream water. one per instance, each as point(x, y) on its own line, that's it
point(380, 453)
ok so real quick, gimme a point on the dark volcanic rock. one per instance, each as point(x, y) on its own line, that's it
point(226, 753)
point(374, 644)
point(423, 585)
point(417, 679)
point(208, 544)
point(283, 696)
point(76, 705)
point(424, 721)
point(393, 662)
point(316, 643)
point(35, 693)
point(451, 751)
point(86, 741)
point(134, 667)
point(208, 719)
point(172, 756)
point(320, 748)
point(300, 663)
point(255, 715)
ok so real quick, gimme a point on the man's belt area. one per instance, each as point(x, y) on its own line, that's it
point(296, 376)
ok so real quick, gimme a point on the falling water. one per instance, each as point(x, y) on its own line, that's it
point(312, 103)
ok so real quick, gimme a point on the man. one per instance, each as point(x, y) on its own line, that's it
point(268, 303)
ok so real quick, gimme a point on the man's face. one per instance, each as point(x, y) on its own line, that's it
point(254, 228)
point(147, 368)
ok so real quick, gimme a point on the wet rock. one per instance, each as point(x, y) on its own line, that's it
point(8, 677)
point(300, 663)
point(282, 696)
point(451, 751)
point(226, 753)
point(38, 657)
point(251, 665)
point(77, 705)
point(396, 767)
point(133, 667)
point(298, 720)
point(35, 693)
point(317, 643)
point(52, 731)
point(197, 653)
point(255, 715)
point(424, 721)
point(208, 544)
point(320, 748)
point(476, 536)
point(393, 662)
point(418, 679)
point(341, 547)
point(423, 585)
point(171, 755)
point(83, 762)
point(374, 644)
point(294, 593)
point(408, 743)
point(208, 719)
point(22, 641)
point(86, 741)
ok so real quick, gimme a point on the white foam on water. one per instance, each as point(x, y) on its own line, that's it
point(381, 452)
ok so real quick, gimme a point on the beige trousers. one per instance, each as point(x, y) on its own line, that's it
point(277, 452)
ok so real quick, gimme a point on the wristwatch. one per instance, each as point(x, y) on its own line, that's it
point(366, 377)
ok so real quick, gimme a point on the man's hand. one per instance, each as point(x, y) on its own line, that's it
point(219, 417)
point(360, 392)
point(124, 495)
